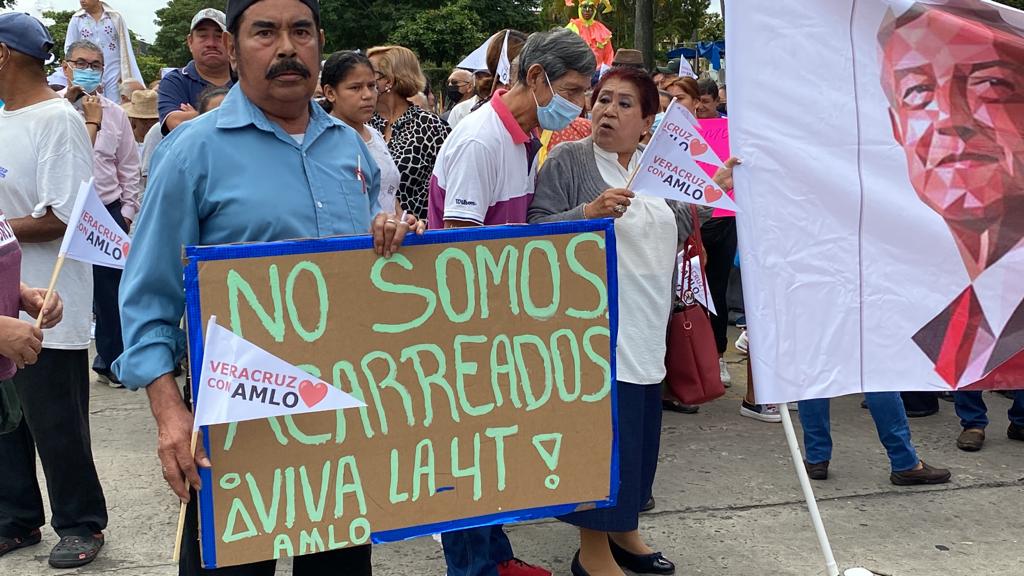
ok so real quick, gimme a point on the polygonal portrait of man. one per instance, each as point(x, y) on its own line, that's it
point(954, 78)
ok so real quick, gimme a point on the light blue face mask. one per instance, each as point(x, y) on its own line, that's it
point(557, 114)
point(657, 121)
point(89, 80)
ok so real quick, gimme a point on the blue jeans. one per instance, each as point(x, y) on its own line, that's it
point(973, 413)
point(476, 551)
point(890, 421)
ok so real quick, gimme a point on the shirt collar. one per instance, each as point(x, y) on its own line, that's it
point(191, 71)
point(237, 111)
point(508, 120)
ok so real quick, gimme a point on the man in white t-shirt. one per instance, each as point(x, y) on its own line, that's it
point(39, 179)
point(484, 176)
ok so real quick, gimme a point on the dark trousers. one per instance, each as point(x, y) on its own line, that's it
point(719, 236)
point(639, 443)
point(920, 401)
point(353, 561)
point(105, 284)
point(476, 551)
point(54, 395)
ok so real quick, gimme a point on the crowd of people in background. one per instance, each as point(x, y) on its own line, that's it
point(550, 136)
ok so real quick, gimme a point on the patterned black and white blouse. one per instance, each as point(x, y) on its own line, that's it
point(416, 139)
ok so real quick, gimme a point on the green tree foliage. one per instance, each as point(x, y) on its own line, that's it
point(59, 29)
point(442, 35)
point(712, 27)
point(174, 20)
point(149, 64)
point(350, 24)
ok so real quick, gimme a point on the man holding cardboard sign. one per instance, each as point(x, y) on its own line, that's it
point(203, 189)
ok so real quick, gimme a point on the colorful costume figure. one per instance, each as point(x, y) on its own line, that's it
point(594, 33)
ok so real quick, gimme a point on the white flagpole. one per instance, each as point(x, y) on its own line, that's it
point(805, 486)
point(812, 503)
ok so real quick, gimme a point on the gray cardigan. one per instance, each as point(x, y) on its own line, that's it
point(570, 178)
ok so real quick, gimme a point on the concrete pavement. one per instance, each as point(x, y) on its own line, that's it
point(728, 502)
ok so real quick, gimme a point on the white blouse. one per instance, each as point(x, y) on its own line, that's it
point(645, 239)
point(389, 176)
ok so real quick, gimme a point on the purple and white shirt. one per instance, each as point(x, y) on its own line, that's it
point(486, 170)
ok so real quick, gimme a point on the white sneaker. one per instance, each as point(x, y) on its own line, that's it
point(761, 412)
point(723, 371)
point(743, 343)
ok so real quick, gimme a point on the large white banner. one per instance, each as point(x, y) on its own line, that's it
point(882, 193)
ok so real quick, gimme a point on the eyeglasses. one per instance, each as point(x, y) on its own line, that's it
point(93, 65)
point(457, 84)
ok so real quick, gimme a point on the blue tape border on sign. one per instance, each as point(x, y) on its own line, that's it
point(194, 325)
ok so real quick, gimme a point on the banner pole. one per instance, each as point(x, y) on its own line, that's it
point(181, 512)
point(805, 487)
point(49, 289)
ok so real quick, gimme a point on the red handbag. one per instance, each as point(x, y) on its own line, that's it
point(693, 373)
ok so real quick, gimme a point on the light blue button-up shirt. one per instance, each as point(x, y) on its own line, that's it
point(231, 175)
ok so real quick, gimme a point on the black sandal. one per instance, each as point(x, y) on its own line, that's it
point(8, 544)
point(75, 551)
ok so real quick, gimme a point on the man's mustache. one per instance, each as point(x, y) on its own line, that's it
point(290, 65)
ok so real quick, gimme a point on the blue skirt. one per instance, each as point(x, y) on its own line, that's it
point(639, 442)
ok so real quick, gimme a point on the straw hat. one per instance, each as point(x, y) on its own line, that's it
point(143, 105)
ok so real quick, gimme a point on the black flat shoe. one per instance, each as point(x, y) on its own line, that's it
point(676, 406)
point(641, 564)
point(648, 506)
point(577, 568)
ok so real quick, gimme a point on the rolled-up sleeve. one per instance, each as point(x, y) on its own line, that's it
point(152, 294)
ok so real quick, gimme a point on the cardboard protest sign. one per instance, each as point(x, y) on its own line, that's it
point(484, 358)
point(92, 235)
point(240, 381)
point(881, 236)
point(669, 169)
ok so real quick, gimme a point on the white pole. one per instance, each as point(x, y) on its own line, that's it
point(805, 486)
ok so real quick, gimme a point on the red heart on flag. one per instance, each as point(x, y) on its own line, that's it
point(125, 248)
point(712, 194)
point(697, 147)
point(312, 393)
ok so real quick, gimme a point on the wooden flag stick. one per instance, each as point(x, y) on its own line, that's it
point(49, 289)
point(181, 512)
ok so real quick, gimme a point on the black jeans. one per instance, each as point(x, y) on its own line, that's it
point(105, 284)
point(353, 561)
point(719, 236)
point(54, 395)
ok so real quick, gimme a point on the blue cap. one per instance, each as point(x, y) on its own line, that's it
point(25, 34)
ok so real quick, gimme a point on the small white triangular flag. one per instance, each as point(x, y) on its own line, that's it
point(669, 169)
point(685, 69)
point(92, 235)
point(504, 65)
point(241, 381)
